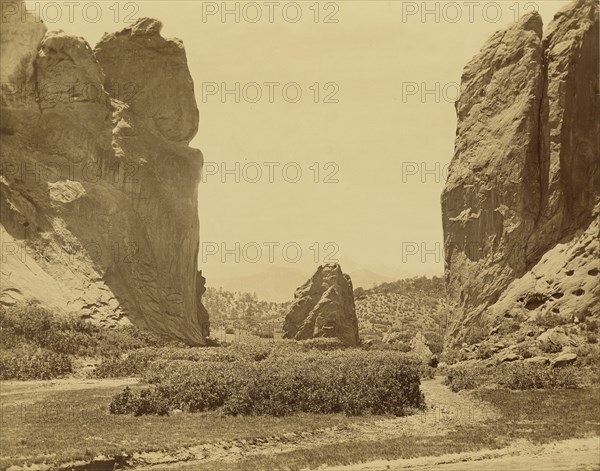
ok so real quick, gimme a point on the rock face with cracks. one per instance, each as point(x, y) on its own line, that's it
point(99, 186)
point(324, 307)
point(521, 205)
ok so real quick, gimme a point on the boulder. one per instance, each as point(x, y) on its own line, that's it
point(558, 337)
point(506, 357)
point(538, 360)
point(563, 359)
point(324, 307)
point(99, 192)
point(418, 346)
point(520, 206)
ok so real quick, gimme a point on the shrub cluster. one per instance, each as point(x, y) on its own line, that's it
point(354, 382)
point(461, 378)
point(30, 364)
point(516, 375)
point(547, 346)
point(36, 344)
point(144, 403)
point(530, 376)
point(39, 327)
point(136, 362)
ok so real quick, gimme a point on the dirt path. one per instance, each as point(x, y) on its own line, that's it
point(33, 389)
point(580, 454)
point(445, 410)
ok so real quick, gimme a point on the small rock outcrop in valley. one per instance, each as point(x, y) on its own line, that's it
point(520, 207)
point(99, 187)
point(323, 307)
point(418, 345)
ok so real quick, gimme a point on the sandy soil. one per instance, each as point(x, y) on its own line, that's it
point(581, 454)
point(32, 389)
point(445, 410)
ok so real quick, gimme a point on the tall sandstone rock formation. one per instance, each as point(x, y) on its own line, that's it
point(521, 205)
point(98, 190)
point(324, 307)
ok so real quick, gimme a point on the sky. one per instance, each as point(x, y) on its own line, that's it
point(335, 144)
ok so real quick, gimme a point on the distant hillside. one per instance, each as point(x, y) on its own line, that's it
point(241, 309)
point(404, 307)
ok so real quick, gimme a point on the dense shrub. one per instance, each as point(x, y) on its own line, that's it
point(142, 403)
point(32, 325)
point(484, 352)
point(136, 362)
point(531, 376)
point(524, 350)
point(464, 377)
point(591, 325)
point(30, 364)
point(547, 346)
point(451, 356)
point(353, 382)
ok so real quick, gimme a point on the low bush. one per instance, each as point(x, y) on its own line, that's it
point(451, 356)
point(547, 346)
point(524, 350)
point(522, 376)
point(354, 382)
point(591, 325)
point(461, 378)
point(143, 403)
point(30, 364)
point(33, 325)
point(136, 362)
point(484, 352)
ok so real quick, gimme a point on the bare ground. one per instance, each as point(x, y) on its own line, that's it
point(445, 411)
point(578, 454)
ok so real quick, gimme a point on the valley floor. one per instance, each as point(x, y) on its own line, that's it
point(576, 454)
point(64, 424)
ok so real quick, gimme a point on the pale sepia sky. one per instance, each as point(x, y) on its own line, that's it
point(372, 135)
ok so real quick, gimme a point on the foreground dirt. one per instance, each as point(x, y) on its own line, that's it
point(30, 391)
point(581, 454)
point(446, 410)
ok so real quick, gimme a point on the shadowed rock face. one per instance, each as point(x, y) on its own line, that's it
point(523, 185)
point(324, 307)
point(99, 191)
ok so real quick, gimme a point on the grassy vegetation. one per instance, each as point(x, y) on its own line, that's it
point(62, 426)
point(80, 427)
point(285, 382)
point(403, 308)
point(538, 416)
point(36, 344)
point(516, 376)
point(25, 363)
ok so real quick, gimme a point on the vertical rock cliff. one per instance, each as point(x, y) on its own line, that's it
point(521, 201)
point(99, 186)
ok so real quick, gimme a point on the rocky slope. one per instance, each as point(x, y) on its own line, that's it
point(395, 312)
point(323, 307)
point(99, 186)
point(520, 209)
